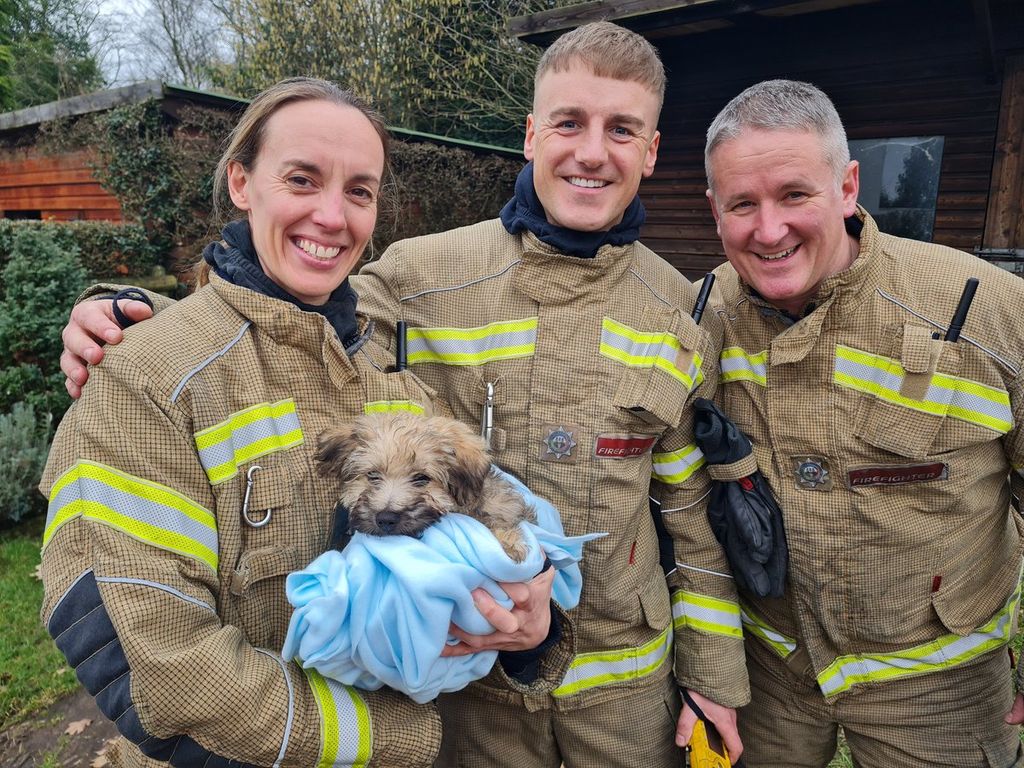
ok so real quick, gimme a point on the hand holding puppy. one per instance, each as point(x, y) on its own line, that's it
point(524, 627)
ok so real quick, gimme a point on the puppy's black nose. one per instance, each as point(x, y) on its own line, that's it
point(387, 521)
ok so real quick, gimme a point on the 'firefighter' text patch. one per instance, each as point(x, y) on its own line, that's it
point(623, 446)
point(917, 473)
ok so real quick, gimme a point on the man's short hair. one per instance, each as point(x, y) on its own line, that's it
point(608, 50)
point(781, 105)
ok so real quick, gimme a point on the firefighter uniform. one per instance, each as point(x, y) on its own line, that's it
point(893, 455)
point(171, 607)
point(592, 363)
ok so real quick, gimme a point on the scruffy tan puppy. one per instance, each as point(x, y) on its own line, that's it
point(401, 472)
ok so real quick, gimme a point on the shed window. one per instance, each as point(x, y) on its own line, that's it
point(899, 182)
point(29, 215)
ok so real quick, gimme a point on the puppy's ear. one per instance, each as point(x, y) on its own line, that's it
point(334, 448)
point(468, 465)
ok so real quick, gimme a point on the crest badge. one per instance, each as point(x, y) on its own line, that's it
point(559, 443)
point(812, 473)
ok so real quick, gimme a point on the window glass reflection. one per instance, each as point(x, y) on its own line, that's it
point(899, 182)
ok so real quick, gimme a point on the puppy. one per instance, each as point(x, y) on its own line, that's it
point(401, 472)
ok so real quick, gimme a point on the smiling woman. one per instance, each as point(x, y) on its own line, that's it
point(311, 195)
point(180, 486)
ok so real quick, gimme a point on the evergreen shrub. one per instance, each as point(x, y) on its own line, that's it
point(40, 281)
point(24, 444)
point(105, 249)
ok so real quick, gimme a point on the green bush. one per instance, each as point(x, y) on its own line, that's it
point(24, 443)
point(41, 281)
point(105, 248)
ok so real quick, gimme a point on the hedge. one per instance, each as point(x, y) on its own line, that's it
point(105, 249)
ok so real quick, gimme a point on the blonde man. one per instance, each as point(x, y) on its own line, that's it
point(580, 338)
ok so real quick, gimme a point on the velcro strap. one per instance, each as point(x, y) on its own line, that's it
point(735, 470)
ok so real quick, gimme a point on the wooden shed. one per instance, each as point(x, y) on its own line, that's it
point(37, 184)
point(60, 186)
point(931, 93)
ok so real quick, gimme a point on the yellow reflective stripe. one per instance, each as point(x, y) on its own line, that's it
point(706, 614)
point(758, 627)
point(638, 349)
point(246, 435)
point(503, 340)
point(144, 510)
point(389, 406)
point(675, 467)
point(947, 395)
point(595, 669)
point(947, 651)
point(737, 365)
point(345, 729)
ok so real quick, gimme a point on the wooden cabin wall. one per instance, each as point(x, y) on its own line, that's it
point(60, 187)
point(893, 69)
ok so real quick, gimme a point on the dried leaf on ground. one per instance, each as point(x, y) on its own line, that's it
point(78, 726)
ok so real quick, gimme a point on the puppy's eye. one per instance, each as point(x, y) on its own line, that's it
point(374, 477)
point(420, 480)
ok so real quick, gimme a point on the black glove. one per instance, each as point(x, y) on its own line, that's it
point(743, 513)
point(748, 524)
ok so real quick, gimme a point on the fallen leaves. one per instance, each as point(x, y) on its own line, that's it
point(78, 726)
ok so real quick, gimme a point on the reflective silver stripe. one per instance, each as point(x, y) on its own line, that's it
point(246, 435)
point(593, 670)
point(947, 651)
point(345, 736)
point(210, 359)
point(675, 467)
point(289, 720)
point(473, 346)
point(777, 641)
point(737, 365)
point(639, 349)
point(147, 511)
point(706, 614)
point(157, 585)
point(947, 395)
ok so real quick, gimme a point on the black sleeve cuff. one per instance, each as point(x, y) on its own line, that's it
point(524, 666)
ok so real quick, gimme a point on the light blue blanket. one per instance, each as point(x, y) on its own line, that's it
point(378, 612)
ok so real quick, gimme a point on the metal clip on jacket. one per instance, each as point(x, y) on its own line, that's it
point(249, 482)
point(487, 416)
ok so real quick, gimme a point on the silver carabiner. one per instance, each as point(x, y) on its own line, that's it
point(249, 482)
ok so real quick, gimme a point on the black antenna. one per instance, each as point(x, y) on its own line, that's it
point(702, 297)
point(401, 360)
point(957, 323)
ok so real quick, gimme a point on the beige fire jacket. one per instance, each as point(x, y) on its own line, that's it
point(169, 605)
point(893, 456)
point(593, 364)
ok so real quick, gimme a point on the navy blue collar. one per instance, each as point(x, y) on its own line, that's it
point(524, 212)
point(235, 260)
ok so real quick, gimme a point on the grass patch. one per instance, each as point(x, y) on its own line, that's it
point(842, 758)
point(33, 673)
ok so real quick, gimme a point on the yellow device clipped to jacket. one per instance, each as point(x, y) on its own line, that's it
point(705, 749)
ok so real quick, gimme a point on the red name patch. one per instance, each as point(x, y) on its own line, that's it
point(918, 473)
point(623, 446)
